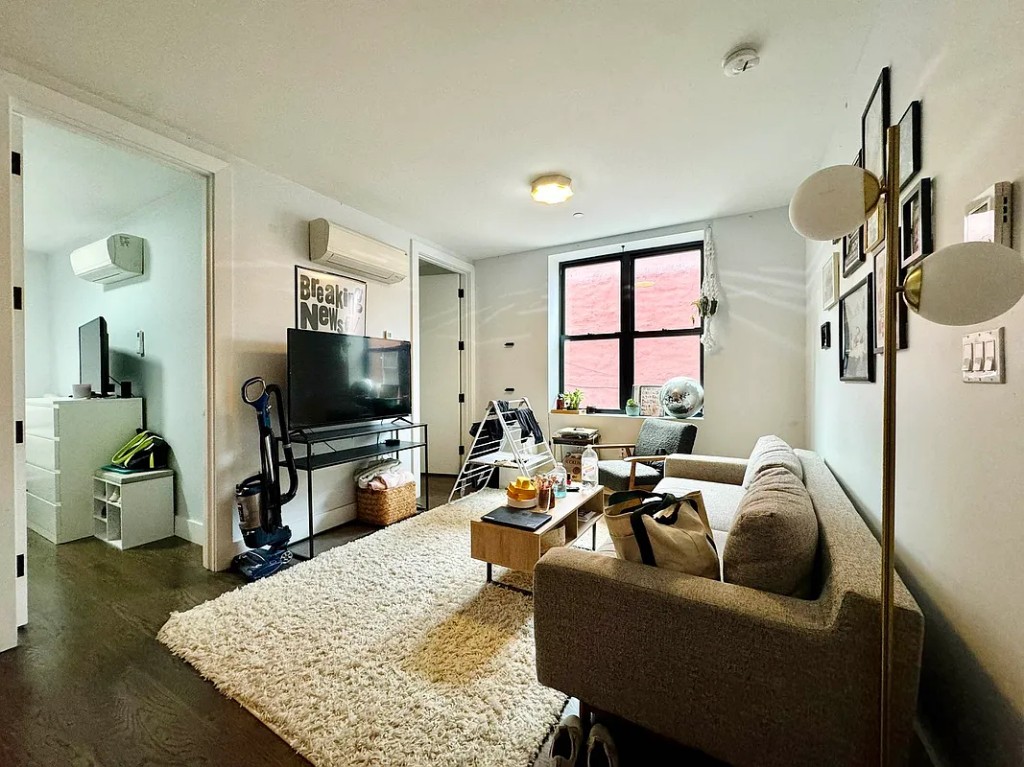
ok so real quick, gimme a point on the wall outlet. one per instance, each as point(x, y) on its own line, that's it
point(982, 358)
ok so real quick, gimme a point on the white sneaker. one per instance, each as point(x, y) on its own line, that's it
point(564, 747)
point(115, 496)
point(601, 751)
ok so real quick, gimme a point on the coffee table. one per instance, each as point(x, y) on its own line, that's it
point(516, 549)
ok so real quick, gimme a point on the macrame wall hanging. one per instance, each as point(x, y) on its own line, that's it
point(710, 294)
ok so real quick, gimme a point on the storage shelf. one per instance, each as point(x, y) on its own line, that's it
point(338, 457)
point(104, 500)
point(349, 432)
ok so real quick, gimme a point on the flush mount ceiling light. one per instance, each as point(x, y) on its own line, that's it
point(551, 189)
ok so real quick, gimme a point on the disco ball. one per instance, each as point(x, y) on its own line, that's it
point(682, 397)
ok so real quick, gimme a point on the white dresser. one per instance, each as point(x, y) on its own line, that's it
point(66, 440)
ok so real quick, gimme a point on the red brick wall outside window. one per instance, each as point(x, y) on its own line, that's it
point(628, 320)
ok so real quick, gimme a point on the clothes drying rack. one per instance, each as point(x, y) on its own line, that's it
point(500, 444)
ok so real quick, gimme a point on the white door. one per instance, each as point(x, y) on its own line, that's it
point(441, 369)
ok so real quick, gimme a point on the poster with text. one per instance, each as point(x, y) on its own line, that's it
point(329, 303)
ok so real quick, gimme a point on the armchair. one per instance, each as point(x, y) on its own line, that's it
point(644, 463)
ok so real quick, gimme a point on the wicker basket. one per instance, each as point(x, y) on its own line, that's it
point(385, 507)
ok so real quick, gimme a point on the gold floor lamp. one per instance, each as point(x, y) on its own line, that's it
point(962, 284)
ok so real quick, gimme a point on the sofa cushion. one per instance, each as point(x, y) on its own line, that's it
point(720, 500)
point(771, 451)
point(773, 542)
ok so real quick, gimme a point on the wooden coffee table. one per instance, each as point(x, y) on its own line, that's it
point(571, 517)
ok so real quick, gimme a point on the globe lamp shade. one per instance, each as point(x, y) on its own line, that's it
point(833, 202)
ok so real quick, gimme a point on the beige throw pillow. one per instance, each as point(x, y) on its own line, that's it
point(771, 451)
point(774, 539)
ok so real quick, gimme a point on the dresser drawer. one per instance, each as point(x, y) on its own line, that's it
point(42, 516)
point(42, 483)
point(42, 452)
point(41, 419)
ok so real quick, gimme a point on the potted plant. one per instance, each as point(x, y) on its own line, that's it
point(573, 399)
point(632, 407)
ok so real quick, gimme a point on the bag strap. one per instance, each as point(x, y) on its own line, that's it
point(643, 540)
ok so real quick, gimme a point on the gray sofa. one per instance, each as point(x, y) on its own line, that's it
point(746, 676)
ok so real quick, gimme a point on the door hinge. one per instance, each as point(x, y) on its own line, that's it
point(19, 566)
point(17, 298)
point(19, 432)
point(462, 396)
point(462, 292)
point(16, 163)
point(462, 346)
point(462, 449)
point(510, 389)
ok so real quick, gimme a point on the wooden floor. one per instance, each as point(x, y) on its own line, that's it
point(90, 685)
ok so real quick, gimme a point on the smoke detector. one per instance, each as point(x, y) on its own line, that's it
point(740, 60)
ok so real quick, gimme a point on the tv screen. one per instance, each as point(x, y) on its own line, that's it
point(94, 355)
point(336, 379)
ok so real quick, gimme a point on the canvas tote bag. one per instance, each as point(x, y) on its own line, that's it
point(662, 530)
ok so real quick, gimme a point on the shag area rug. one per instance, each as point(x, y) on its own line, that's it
point(390, 650)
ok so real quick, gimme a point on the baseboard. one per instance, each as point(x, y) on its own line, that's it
point(191, 530)
point(325, 520)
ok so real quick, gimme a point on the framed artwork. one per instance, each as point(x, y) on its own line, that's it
point(649, 399)
point(826, 336)
point(874, 229)
point(830, 281)
point(329, 303)
point(901, 309)
point(856, 360)
point(873, 124)
point(910, 143)
point(853, 256)
point(916, 228)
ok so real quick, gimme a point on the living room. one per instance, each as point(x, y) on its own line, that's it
point(679, 128)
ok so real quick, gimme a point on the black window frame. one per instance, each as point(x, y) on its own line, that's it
point(627, 333)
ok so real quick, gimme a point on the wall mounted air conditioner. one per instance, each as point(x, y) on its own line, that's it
point(355, 253)
point(119, 257)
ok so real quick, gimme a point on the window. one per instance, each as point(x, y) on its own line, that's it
point(628, 320)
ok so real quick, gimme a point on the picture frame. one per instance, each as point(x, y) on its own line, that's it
point(879, 309)
point(873, 123)
point(853, 255)
point(910, 144)
point(830, 281)
point(649, 399)
point(916, 224)
point(874, 229)
point(326, 302)
point(856, 359)
point(826, 335)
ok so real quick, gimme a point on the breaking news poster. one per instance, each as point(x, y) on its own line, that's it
point(329, 303)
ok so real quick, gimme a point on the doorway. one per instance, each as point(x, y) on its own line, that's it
point(114, 284)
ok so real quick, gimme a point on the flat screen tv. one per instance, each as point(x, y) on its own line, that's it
point(94, 355)
point(337, 379)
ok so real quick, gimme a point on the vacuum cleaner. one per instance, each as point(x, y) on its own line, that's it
point(259, 498)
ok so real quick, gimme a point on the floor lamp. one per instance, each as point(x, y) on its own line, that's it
point(962, 284)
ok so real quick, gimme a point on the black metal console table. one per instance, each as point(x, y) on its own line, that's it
point(312, 462)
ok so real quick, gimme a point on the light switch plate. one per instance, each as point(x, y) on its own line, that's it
point(982, 358)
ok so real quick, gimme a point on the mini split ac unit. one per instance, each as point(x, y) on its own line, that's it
point(119, 257)
point(355, 253)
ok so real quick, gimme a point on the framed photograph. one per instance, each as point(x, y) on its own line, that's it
point(830, 281)
point(649, 399)
point(826, 336)
point(329, 303)
point(910, 143)
point(853, 257)
point(879, 302)
point(874, 229)
point(873, 124)
point(916, 226)
point(856, 360)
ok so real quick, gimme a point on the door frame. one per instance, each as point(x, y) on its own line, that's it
point(419, 251)
point(20, 97)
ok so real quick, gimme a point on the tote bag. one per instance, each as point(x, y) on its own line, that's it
point(661, 530)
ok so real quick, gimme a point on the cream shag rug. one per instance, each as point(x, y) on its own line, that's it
point(390, 650)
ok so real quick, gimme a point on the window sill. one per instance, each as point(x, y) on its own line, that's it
point(583, 414)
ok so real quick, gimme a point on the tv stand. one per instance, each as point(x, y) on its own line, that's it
point(312, 462)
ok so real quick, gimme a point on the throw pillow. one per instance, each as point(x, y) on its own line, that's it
point(771, 451)
point(774, 538)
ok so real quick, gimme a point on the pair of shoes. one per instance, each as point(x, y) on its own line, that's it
point(567, 742)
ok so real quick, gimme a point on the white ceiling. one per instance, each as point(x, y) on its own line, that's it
point(77, 188)
point(435, 115)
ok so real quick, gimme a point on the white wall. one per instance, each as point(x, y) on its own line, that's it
point(754, 385)
point(37, 324)
point(168, 304)
point(959, 524)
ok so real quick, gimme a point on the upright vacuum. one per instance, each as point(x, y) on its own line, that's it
point(259, 498)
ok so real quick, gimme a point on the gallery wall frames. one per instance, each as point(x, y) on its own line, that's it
point(916, 233)
point(910, 143)
point(856, 356)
